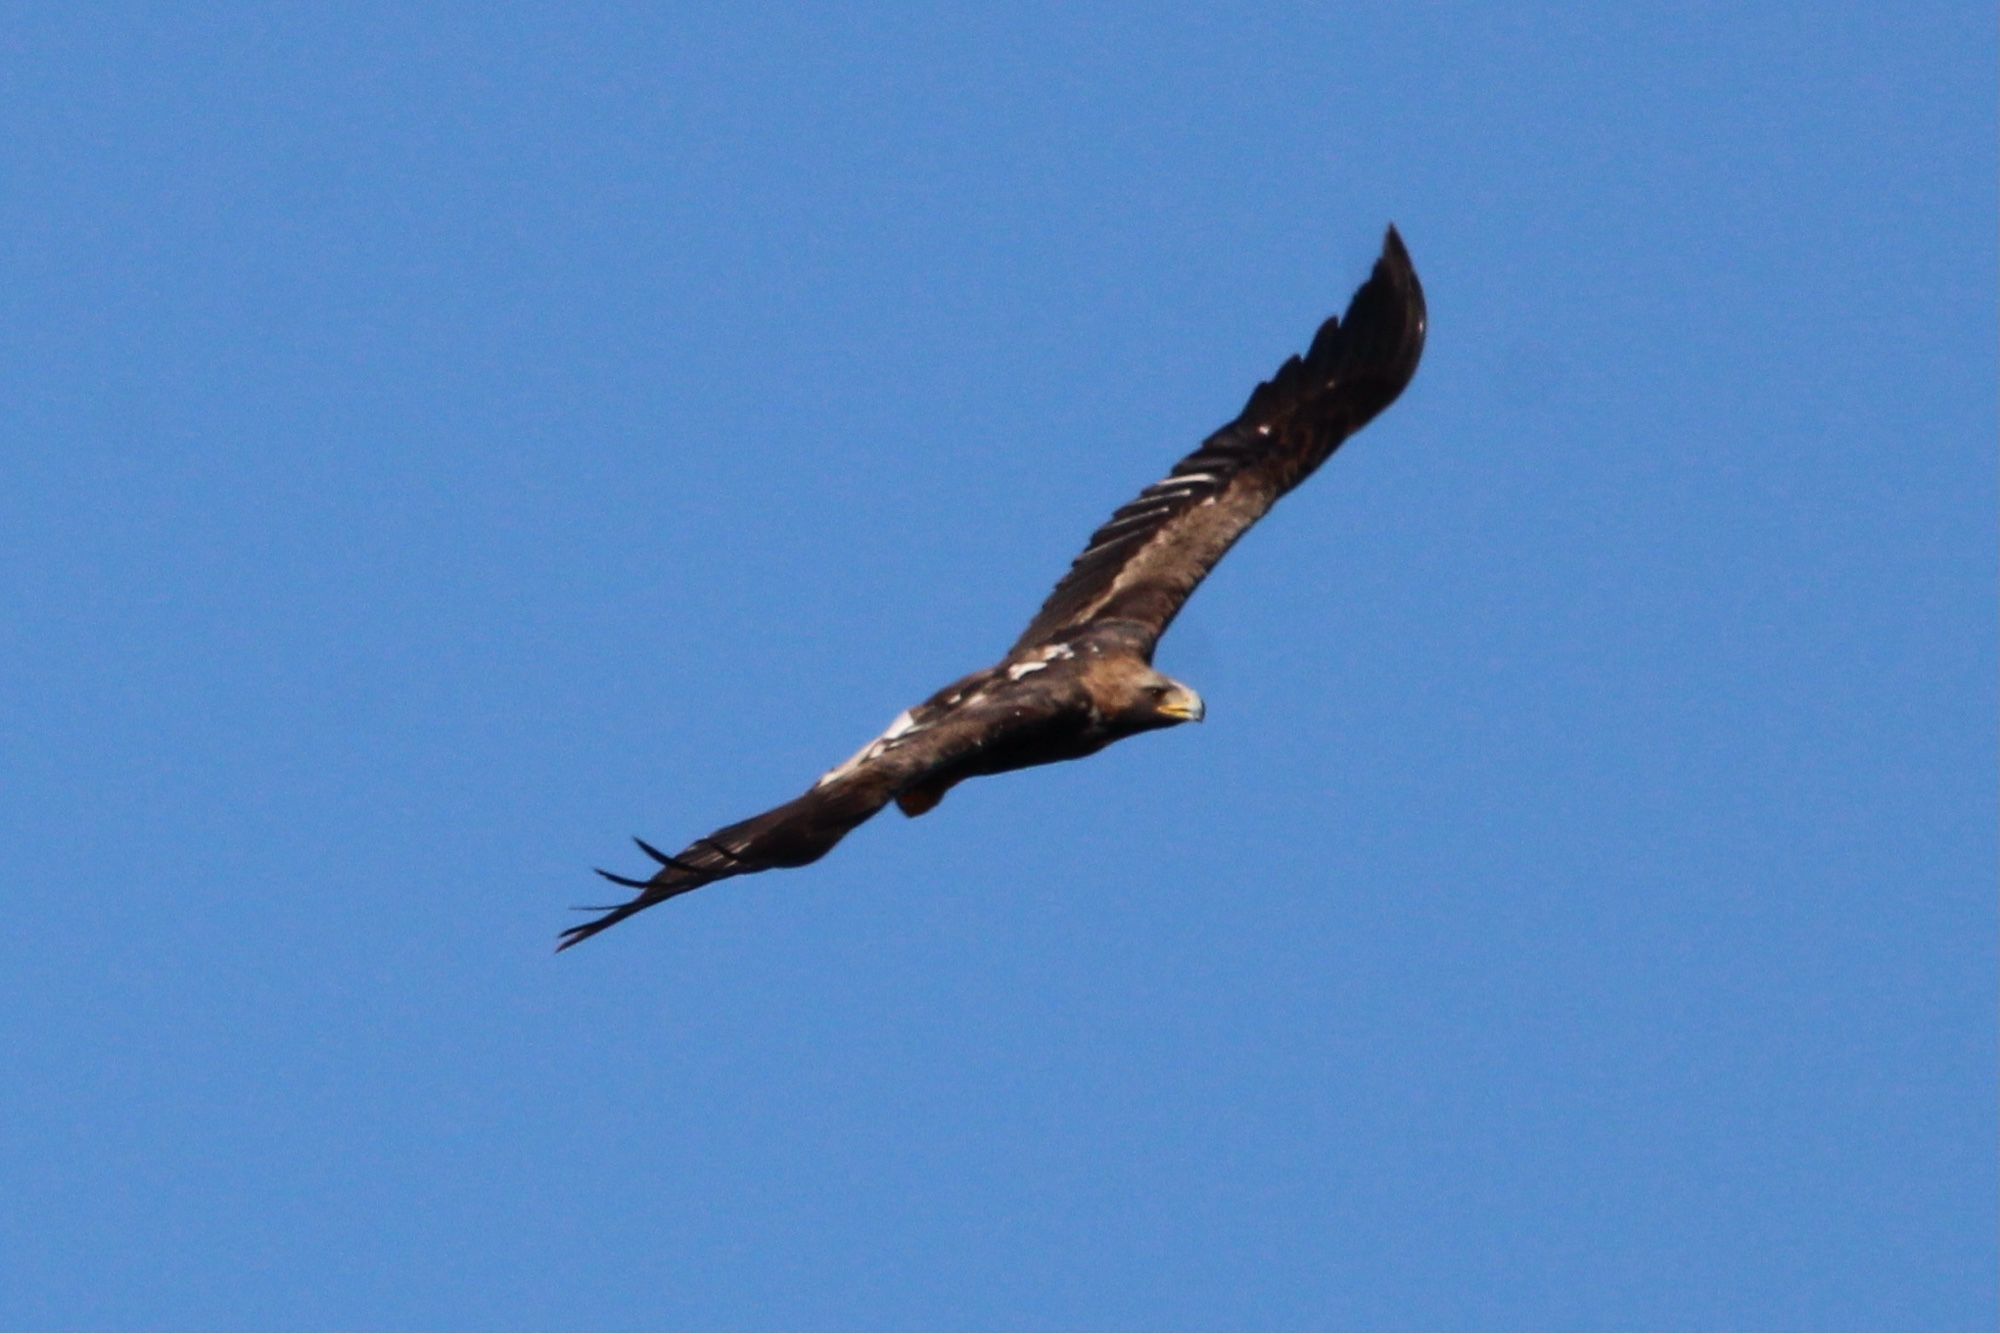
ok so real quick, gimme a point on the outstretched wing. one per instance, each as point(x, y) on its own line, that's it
point(1142, 564)
point(931, 739)
point(800, 831)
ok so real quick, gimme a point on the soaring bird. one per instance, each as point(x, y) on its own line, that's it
point(1081, 675)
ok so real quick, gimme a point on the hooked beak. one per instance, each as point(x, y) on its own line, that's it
point(1183, 706)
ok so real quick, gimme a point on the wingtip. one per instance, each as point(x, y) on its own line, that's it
point(1396, 272)
point(1383, 330)
point(576, 935)
point(1395, 255)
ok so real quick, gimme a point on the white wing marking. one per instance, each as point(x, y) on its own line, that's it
point(902, 727)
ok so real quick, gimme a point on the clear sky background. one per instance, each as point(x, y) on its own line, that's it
point(441, 441)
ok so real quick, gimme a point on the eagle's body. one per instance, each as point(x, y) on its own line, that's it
point(1081, 675)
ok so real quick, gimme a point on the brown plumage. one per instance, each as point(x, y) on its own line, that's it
point(1081, 675)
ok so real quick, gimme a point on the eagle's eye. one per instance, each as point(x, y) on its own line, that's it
point(1156, 692)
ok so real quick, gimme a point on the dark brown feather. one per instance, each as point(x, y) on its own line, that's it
point(1142, 564)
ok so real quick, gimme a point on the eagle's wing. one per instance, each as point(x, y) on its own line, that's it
point(1145, 561)
point(931, 738)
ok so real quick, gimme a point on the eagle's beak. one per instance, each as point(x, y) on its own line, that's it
point(1182, 706)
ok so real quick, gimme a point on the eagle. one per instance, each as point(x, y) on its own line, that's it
point(1081, 675)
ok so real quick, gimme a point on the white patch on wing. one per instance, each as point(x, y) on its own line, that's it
point(1106, 542)
point(1040, 659)
point(903, 726)
point(1134, 520)
point(1194, 477)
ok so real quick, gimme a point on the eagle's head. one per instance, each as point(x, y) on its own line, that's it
point(1135, 698)
point(1173, 702)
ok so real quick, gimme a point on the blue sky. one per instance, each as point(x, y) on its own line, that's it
point(444, 440)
